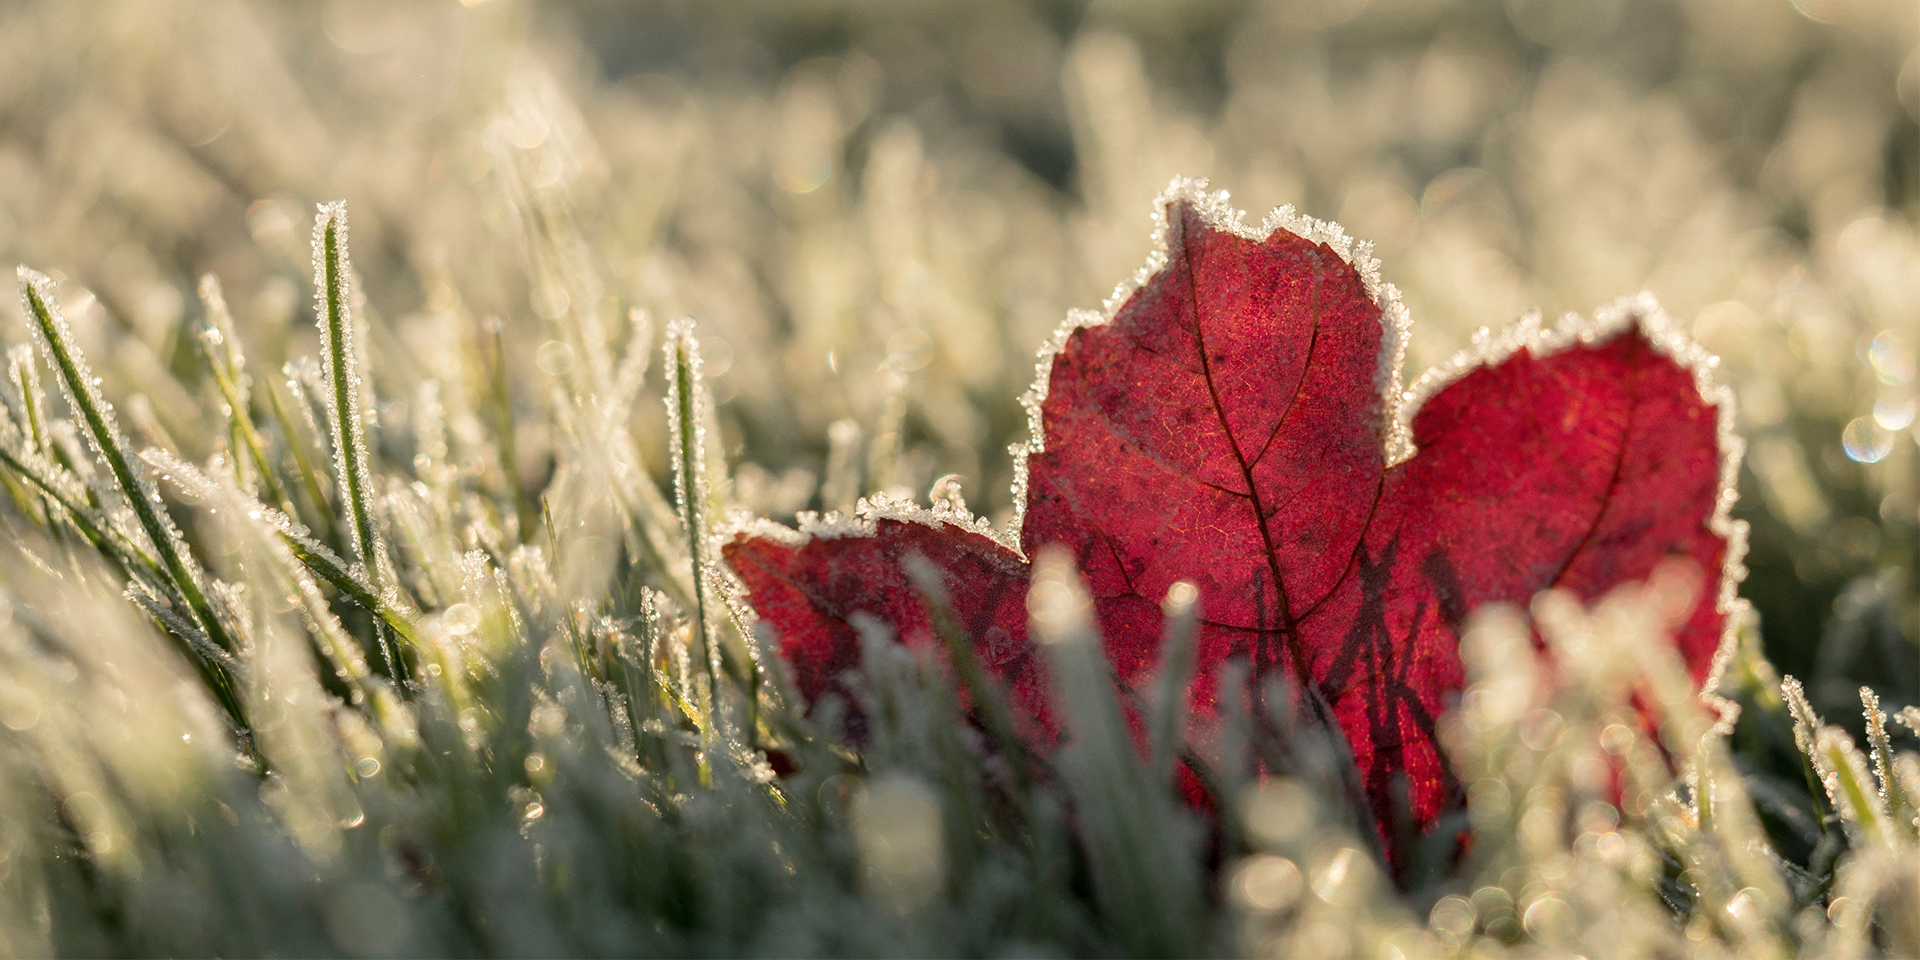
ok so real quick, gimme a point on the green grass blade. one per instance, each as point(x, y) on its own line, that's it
point(1142, 872)
point(293, 557)
point(684, 418)
point(340, 366)
point(322, 516)
point(1850, 787)
point(523, 505)
point(1169, 718)
point(82, 393)
point(1899, 805)
point(221, 347)
point(25, 378)
point(121, 554)
point(310, 552)
point(988, 701)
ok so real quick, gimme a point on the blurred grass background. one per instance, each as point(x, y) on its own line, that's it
point(878, 211)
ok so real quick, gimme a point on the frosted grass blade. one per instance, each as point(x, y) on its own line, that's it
point(310, 552)
point(340, 368)
point(685, 418)
point(103, 434)
point(632, 372)
point(323, 515)
point(1141, 873)
point(294, 556)
point(1169, 719)
point(988, 699)
point(841, 488)
point(522, 503)
point(1806, 725)
point(25, 377)
point(1850, 787)
point(65, 500)
point(221, 347)
point(1898, 804)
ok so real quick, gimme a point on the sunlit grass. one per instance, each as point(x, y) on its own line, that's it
point(379, 635)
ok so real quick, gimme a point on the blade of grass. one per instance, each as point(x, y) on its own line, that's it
point(82, 394)
point(1851, 787)
point(1169, 718)
point(322, 517)
point(221, 347)
point(988, 702)
point(353, 477)
point(310, 552)
point(116, 551)
point(684, 401)
point(60, 495)
point(1141, 874)
point(25, 378)
point(1805, 724)
point(1899, 805)
point(285, 548)
point(523, 505)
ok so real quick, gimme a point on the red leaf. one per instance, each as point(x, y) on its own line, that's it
point(1237, 422)
point(814, 585)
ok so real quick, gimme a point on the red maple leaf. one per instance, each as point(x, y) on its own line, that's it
point(1237, 420)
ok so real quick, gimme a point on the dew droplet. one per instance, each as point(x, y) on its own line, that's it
point(1866, 441)
point(1894, 414)
point(554, 357)
point(461, 619)
point(1891, 358)
point(1267, 883)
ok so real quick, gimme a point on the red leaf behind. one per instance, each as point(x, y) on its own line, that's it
point(1580, 470)
point(813, 587)
point(1231, 424)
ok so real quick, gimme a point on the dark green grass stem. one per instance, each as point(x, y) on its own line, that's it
point(352, 472)
point(228, 380)
point(324, 519)
point(347, 439)
point(367, 597)
point(173, 554)
point(117, 553)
